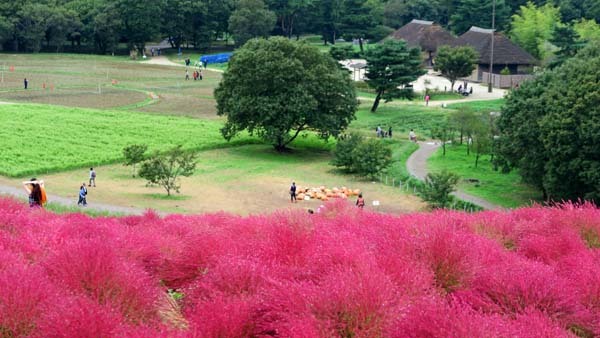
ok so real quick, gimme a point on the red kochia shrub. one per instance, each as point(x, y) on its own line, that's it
point(532, 272)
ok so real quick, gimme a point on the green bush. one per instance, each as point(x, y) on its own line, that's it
point(365, 158)
point(342, 154)
point(438, 187)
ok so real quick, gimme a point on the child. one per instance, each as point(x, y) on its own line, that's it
point(360, 202)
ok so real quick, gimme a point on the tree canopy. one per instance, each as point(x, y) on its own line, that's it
point(251, 19)
point(278, 88)
point(550, 129)
point(391, 66)
point(455, 62)
point(533, 26)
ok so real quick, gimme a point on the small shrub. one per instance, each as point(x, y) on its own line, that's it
point(365, 158)
point(342, 154)
point(438, 187)
point(134, 154)
point(371, 158)
point(165, 169)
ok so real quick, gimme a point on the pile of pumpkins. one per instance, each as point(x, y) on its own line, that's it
point(324, 194)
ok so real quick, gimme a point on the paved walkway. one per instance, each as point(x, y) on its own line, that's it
point(417, 166)
point(69, 202)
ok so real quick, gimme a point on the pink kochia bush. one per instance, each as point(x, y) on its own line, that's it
point(532, 272)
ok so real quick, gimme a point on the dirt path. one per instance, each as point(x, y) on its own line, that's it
point(417, 166)
point(68, 202)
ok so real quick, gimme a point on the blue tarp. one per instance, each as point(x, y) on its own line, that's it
point(215, 58)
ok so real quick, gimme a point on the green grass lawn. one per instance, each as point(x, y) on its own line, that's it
point(401, 117)
point(444, 96)
point(42, 138)
point(480, 106)
point(503, 189)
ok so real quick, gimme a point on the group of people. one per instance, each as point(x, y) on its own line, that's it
point(83, 189)
point(465, 91)
point(196, 75)
point(36, 191)
point(360, 201)
point(382, 133)
point(157, 51)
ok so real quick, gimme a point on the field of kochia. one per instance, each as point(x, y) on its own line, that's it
point(37, 139)
point(341, 272)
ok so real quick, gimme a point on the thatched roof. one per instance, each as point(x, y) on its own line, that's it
point(505, 51)
point(424, 34)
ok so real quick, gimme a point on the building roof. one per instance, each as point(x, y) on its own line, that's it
point(424, 34)
point(505, 51)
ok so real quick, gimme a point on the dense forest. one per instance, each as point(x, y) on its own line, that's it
point(101, 26)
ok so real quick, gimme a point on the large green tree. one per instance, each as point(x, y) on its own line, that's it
point(140, 21)
point(180, 20)
point(567, 41)
point(467, 13)
point(360, 20)
point(533, 26)
point(391, 66)
point(328, 19)
point(278, 88)
point(251, 19)
point(551, 129)
point(397, 13)
point(289, 14)
point(455, 62)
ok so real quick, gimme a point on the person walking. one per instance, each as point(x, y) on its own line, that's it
point(82, 195)
point(293, 193)
point(35, 192)
point(427, 100)
point(92, 178)
point(25, 83)
point(378, 130)
point(390, 131)
point(360, 201)
point(187, 74)
point(200, 74)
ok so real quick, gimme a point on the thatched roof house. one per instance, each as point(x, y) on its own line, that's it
point(506, 53)
point(425, 35)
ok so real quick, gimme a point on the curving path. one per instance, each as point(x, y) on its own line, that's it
point(69, 202)
point(417, 167)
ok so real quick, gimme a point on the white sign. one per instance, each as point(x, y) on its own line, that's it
point(375, 203)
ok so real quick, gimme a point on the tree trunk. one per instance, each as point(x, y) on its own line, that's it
point(360, 43)
point(376, 103)
point(452, 85)
point(476, 159)
point(443, 148)
point(461, 136)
